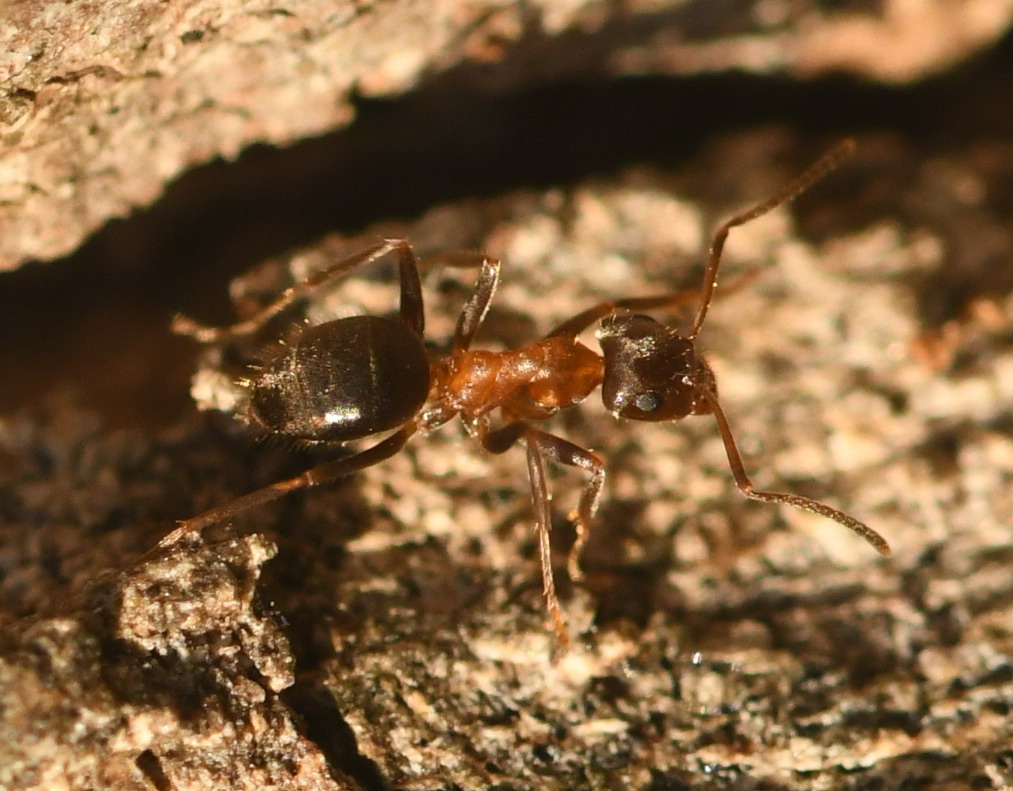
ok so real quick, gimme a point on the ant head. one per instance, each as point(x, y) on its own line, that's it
point(651, 371)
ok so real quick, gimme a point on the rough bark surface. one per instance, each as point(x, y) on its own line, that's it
point(389, 632)
point(104, 103)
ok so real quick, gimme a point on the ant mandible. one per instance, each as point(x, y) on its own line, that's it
point(354, 377)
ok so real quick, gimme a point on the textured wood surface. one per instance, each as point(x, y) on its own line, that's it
point(389, 632)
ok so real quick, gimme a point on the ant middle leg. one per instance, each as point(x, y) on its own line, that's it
point(541, 446)
point(474, 310)
point(561, 451)
point(473, 313)
point(485, 287)
point(412, 314)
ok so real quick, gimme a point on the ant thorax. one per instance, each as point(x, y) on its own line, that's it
point(533, 381)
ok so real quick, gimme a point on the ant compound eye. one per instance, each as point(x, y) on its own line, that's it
point(649, 402)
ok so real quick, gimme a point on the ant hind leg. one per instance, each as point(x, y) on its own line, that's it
point(316, 476)
point(411, 294)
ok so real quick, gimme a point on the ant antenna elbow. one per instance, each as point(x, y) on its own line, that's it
point(804, 503)
point(824, 165)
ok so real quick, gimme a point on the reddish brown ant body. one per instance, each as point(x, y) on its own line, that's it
point(355, 377)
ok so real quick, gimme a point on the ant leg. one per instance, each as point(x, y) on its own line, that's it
point(543, 522)
point(577, 324)
point(499, 441)
point(746, 486)
point(824, 165)
point(564, 452)
point(413, 314)
point(325, 473)
point(540, 446)
point(411, 294)
point(455, 259)
point(474, 310)
point(473, 313)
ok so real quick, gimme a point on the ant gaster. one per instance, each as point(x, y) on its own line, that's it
point(355, 377)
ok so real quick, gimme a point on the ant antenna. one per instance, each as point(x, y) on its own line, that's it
point(824, 165)
point(806, 504)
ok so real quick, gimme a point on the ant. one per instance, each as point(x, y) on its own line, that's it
point(355, 377)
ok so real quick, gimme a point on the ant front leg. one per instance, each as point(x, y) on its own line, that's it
point(541, 446)
point(411, 294)
point(577, 324)
point(572, 327)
